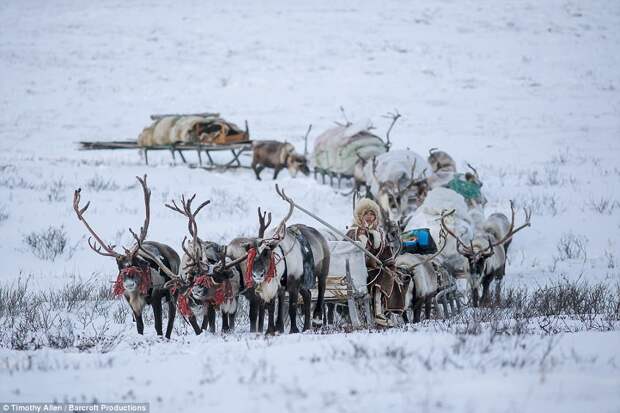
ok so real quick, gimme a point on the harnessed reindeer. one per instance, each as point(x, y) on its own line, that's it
point(143, 269)
point(294, 257)
point(206, 282)
point(394, 195)
point(488, 263)
point(237, 248)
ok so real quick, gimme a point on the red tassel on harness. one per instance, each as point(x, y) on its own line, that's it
point(249, 282)
point(144, 277)
point(271, 272)
point(183, 305)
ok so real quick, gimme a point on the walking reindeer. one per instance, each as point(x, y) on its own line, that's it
point(486, 253)
point(295, 257)
point(206, 282)
point(143, 269)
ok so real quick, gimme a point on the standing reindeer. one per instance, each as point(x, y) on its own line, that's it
point(401, 186)
point(143, 269)
point(206, 282)
point(486, 253)
point(237, 248)
point(296, 257)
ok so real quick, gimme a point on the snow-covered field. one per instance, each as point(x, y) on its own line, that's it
point(528, 92)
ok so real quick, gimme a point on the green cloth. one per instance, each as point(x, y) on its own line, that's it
point(469, 190)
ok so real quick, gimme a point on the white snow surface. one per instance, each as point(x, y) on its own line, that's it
point(527, 91)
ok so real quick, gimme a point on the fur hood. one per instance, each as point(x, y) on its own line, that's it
point(364, 205)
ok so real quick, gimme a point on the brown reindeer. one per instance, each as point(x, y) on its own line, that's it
point(142, 274)
point(277, 155)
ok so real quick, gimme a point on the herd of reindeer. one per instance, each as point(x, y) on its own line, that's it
point(274, 264)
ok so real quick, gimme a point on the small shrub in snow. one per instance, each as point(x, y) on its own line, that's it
point(4, 215)
point(547, 204)
point(56, 191)
point(603, 206)
point(98, 183)
point(47, 244)
point(533, 179)
point(571, 247)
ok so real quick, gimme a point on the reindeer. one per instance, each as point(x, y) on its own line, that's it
point(277, 155)
point(394, 196)
point(237, 249)
point(444, 171)
point(204, 286)
point(486, 253)
point(295, 257)
point(143, 269)
point(430, 281)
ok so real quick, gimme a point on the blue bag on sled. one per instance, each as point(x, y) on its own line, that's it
point(418, 241)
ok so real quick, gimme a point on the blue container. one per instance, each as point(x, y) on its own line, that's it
point(418, 241)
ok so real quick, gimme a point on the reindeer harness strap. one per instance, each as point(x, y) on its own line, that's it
point(308, 279)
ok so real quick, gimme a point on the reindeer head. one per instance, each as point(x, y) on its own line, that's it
point(394, 197)
point(477, 253)
point(133, 264)
point(297, 163)
point(261, 254)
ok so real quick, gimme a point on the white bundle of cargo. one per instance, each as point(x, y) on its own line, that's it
point(176, 129)
point(341, 251)
point(338, 149)
point(396, 166)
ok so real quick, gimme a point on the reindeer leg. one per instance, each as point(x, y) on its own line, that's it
point(276, 171)
point(280, 319)
point(417, 311)
point(172, 312)
point(293, 297)
point(498, 291)
point(261, 315)
point(204, 326)
point(330, 313)
point(451, 300)
point(156, 304)
point(253, 315)
point(225, 326)
point(257, 170)
point(270, 312)
point(211, 318)
point(231, 320)
point(405, 317)
point(317, 317)
point(486, 284)
point(475, 297)
point(307, 297)
point(139, 322)
point(428, 304)
point(194, 324)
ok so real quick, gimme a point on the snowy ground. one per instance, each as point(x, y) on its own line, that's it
point(528, 92)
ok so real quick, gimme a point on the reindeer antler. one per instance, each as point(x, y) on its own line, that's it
point(261, 222)
point(98, 244)
point(147, 216)
point(279, 232)
point(192, 226)
point(474, 170)
point(511, 231)
point(459, 244)
point(394, 116)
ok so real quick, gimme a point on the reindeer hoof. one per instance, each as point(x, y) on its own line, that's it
point(317, 322)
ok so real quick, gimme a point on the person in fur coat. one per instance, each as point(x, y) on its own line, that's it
point(386, 288)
